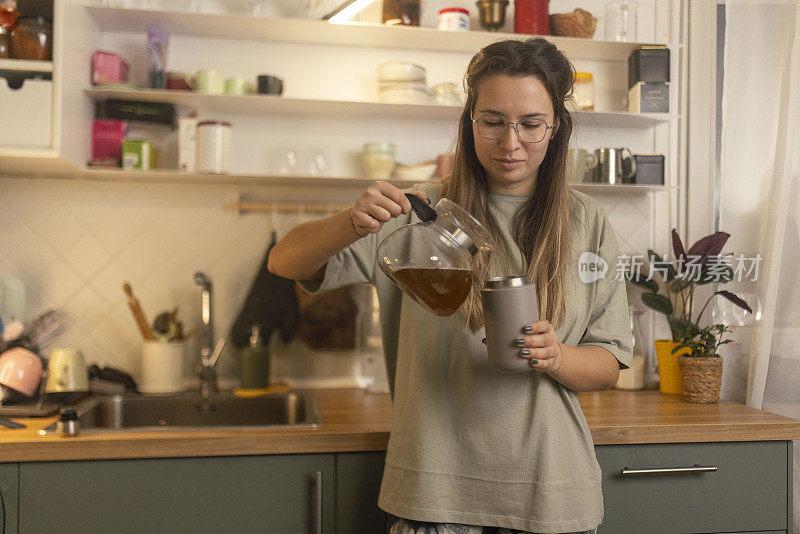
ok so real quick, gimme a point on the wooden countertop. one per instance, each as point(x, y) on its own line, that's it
point(355, 420)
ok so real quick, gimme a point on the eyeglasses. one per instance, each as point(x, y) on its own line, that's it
point(529, 130)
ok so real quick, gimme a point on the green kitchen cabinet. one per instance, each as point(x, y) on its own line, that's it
point(9, 497)
point(750, 490)
point(358, 480)
point(271, 494)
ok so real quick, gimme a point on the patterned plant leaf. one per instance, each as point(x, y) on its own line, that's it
point(736, 300)
point(710, 245)
point(659, 303)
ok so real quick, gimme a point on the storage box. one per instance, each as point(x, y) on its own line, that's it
point(26, 114)
point(649, 169)
point(187, 144)
point(131, 110)
point(648, 98)
point(648, 64)
point(107, 139)
point(137, 155)
point(108, 67)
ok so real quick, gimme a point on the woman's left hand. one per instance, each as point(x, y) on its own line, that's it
point(539, 343)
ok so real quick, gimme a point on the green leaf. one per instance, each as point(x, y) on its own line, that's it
point(679, 284)
point(682, 329)
point(640, 280)
point(656, 302)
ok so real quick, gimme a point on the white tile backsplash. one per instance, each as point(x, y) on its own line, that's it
point(74, 243)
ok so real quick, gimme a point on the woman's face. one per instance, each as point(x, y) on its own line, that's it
point(512, 166)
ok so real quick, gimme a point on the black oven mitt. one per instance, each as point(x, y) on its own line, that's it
point(271, 304)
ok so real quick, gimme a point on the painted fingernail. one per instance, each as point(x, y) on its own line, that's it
point(527, 329)
point(519, 341)
point(526, 352)
point(483, 341)
point(534, 362)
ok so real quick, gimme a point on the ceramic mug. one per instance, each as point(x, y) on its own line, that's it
point(66, 371)
point(20, 370)
point(209, 81)
point(270, 85)
point(238, 86)
point(579, 161)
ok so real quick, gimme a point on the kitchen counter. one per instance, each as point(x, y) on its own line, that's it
point(355, 420)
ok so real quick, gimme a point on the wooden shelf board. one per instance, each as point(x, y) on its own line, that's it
point(242, 27)
point(316, 108)
point(355, 182)
point(25, 65)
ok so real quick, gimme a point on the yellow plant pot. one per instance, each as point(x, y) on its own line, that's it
point(669, 372)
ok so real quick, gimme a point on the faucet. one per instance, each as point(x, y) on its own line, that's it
point(208, 355)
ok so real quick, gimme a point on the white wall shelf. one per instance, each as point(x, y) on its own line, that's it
point(318, 108)
point(27, 161)
point(22, 65)
point(246, 28)
point(354, 182)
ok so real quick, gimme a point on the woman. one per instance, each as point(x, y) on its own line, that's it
point(472, 449)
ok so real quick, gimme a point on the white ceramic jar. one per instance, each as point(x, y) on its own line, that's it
point(454, 19)
point(213, 147)
point(377, 160)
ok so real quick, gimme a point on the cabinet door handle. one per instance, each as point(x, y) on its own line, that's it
point(695, 469)
point(317, 502)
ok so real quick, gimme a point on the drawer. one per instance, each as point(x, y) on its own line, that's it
point(26, 114)
point(747, 492)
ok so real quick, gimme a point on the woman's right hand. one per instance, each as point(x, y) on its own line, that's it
point(378, 205)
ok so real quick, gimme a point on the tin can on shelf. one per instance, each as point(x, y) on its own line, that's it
point(213, 146)
point(454, 19)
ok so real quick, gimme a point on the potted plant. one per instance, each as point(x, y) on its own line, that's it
point(674, 295)
point(701, 367)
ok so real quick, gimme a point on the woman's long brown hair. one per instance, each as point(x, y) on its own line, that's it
point(541, 227)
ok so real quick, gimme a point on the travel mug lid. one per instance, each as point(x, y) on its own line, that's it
point(499, 282)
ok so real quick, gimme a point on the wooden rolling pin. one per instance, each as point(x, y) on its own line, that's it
point(138, 314)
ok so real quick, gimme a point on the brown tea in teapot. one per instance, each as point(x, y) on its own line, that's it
point(441, 291)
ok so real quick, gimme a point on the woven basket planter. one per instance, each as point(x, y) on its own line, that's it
point(701, 379)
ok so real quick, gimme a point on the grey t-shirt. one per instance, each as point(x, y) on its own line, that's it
point(473, 445)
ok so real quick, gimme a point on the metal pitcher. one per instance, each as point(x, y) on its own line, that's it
point(614, 166)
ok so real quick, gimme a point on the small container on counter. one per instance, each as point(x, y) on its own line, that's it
point(32, 39)
point(583, 94)
point(68, 425)
point(213, 146)
point(453, 19)
point(378, 160)
point(634, 377)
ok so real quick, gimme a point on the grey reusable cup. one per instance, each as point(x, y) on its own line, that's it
point(509, 303)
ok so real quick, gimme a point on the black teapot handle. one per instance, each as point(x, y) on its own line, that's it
point(423, 211)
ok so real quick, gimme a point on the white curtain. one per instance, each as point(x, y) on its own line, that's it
point(760, 193)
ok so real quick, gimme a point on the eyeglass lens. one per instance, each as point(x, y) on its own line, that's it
point(494, 127)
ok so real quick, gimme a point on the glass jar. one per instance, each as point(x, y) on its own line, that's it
point(378, 160)
point(583, 94)
point(5, 43)
point(403, 12)
point(431, 261)
point(633, 377)
point(32, 38)
point(447, 94)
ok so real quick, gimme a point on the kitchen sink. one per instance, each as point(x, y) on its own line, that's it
point(190, 411)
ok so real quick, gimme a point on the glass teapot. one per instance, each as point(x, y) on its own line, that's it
point(431, 261)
